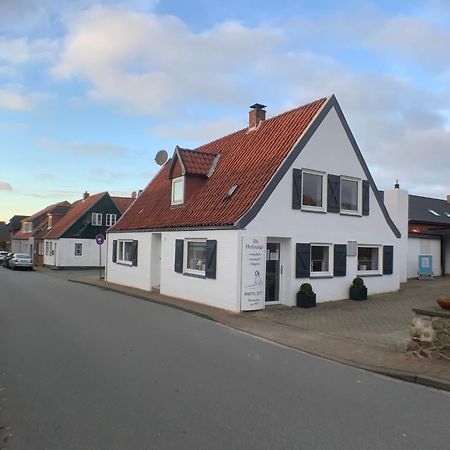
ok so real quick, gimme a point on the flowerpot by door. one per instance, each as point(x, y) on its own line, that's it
point(358, 293)
point(305, 300)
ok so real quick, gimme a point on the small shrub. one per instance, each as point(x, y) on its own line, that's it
point(358, 282)
point(306, 288)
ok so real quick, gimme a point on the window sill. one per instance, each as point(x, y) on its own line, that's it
point(125, 263)
point(365, 274)
point(350, 213)
point(314, 210)
point(194, 275)
point(317, 275)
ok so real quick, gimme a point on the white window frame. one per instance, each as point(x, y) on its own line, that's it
point(175, 181)
point(329, 272)
point(185, 257)
point(379, 271)
point(96, 219)
point(349, 211)
point(49, 222)
point(121, 252)
point(47, 248)
point(322, 208)
point(109, 219)
point(80, 247)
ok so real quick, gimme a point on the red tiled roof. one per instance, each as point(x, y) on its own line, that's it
point(74, 213)
point(56, 206)
point(248, 159)
point(195, 162)
point(122, 203)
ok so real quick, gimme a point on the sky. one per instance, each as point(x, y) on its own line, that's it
point(90, 91)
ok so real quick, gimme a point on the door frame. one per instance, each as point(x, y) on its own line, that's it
point(279, 241)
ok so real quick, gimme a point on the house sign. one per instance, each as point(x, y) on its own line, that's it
point(99, 239)
point(253, 279)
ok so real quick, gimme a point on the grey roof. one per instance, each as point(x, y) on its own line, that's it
point(420, 210)
point(4, 231)
point(14, 222)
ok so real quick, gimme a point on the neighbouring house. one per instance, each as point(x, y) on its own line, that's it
point(425, 226)
point(243, 221)
point(23, 240)
point(4, 236)
point(13, 225)
point(71, 240)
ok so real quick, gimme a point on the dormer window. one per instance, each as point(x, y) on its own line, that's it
point(177, 191)
point(49, 222)
point(27, 227)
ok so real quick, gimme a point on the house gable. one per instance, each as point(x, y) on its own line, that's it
point(331, 106)
point(83, 228)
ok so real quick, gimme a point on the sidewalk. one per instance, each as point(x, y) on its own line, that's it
point(370, 335)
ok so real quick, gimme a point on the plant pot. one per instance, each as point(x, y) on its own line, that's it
point(358, 293)
point(305, 300)
point(444, 303)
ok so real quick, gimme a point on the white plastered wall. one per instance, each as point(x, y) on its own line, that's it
point(420, 246)
point(89, 253)
point(135, 276)
point(328, 150)
point(224, 290)
point(20, 246)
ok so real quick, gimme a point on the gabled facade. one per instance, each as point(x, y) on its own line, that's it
point(23, 240)
point(243, 221)
point(70, 241)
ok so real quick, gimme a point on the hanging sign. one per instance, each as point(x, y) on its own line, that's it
point(253, 275)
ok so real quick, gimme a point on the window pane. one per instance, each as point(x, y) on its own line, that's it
point(368, 258)
point(312, 189)
point(120, 250)
point(196, 256)
point(128, 256)
point(177, 191)
point(320, 257)
point(349, 195)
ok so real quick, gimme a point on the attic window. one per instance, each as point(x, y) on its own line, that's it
point(432, 211)
point(177, 191)
point(231, 191)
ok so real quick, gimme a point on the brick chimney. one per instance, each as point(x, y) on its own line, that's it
point(85, 195)
point(134, 194)
point(256, 115)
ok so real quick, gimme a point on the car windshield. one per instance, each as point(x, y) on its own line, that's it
point(22, 255)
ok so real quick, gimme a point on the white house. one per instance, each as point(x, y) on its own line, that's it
point(71, 242)
point(243, 221)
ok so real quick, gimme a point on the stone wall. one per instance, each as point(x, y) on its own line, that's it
point(430, 335)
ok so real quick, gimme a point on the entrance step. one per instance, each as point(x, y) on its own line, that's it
point(156, 289)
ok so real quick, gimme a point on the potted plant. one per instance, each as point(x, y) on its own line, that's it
point(357, 290)
point(306, 298)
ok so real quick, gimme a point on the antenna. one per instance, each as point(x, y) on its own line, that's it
point(161, 157)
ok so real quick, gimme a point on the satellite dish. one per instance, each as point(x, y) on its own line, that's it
point(161, 157)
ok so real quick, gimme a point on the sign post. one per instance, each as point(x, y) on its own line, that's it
point(100, 239)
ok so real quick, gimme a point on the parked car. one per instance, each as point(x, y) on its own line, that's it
point(7, 259)
point(21, 261)
point(2, 256)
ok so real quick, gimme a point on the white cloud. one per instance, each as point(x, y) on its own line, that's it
point(14, 101)
point(151, 62)
point(83, 148)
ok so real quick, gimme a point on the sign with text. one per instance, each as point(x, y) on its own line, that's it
point(253, 274)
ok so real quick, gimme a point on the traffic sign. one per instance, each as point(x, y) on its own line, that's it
point(99, 239)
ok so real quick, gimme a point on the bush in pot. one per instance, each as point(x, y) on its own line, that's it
point(358, 291)
point(306, 297)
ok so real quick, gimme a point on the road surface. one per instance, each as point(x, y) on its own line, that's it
point(85, 368)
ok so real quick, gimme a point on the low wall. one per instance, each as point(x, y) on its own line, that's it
point(430, 333)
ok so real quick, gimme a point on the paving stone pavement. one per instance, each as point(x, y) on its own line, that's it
point(383, 320)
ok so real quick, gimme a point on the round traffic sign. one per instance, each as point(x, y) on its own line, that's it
point(99, 239)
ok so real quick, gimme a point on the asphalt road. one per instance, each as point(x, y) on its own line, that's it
point(84, 368)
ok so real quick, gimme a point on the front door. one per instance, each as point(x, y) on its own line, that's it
point(273, 272)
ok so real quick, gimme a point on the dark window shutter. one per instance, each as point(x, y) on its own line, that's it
point(302, 260)
point(388, 260)
point(114, 251)
point(211, 257)
point(296, 188)
point(340, 260)
point(334, 194)
point(179, 244)
point(135, 253)
point(365, 197)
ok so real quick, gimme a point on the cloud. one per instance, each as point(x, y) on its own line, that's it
point(83, 148)
point(4, 186)
point(14, 101)
point(150, 63)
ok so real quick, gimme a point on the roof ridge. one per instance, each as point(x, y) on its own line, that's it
point(429, 198)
